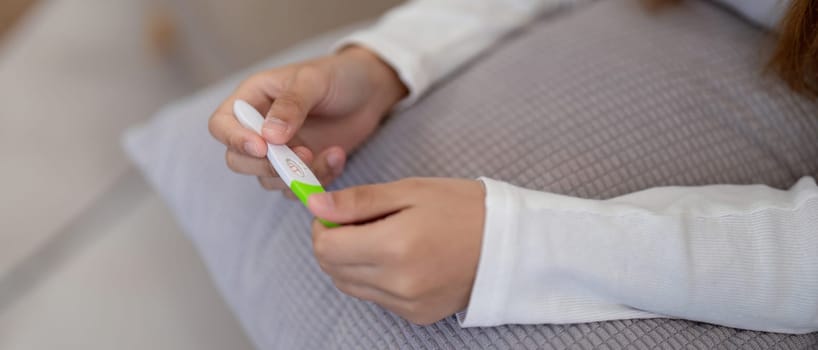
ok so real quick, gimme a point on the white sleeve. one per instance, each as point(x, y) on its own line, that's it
point(425, 40)
point(739, 256)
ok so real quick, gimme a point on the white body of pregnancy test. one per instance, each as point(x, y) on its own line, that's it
point(289, 167)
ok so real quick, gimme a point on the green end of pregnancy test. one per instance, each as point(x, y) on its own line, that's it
point(289, 167)
point(304, 191)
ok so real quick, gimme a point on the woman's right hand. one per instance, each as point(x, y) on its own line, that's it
point(323, 109)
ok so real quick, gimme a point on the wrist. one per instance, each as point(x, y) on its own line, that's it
point(387, 86)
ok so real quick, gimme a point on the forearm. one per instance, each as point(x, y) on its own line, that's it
point(741, 256)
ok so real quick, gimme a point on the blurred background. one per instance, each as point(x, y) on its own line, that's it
point(89, 256)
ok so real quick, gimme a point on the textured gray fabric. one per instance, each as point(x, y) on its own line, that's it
point(602, 101)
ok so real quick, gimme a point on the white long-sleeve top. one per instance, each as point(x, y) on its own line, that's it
point(740, 256)
point(426, 40)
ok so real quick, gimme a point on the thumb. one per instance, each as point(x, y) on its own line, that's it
point(359, 204)
point(306, 88)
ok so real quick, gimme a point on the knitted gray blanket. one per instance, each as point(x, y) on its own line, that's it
point(599, 102)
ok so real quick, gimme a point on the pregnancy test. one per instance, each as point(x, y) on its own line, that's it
point(289, 167)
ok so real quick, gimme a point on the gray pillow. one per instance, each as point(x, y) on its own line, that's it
point(599, 102)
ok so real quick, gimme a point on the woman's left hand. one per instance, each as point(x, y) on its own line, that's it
point(411, 246)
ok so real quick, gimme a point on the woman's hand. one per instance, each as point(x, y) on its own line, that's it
point(323, 109)
point(411, 246)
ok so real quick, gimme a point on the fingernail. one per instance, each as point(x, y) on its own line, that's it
point(274, 127)
point(250, 148)
point(323, 200)
point(334, 161)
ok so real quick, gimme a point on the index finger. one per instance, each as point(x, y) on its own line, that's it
point(347, 245)
point(257, 91)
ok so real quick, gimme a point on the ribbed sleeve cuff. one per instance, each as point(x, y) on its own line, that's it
point(489, 293)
